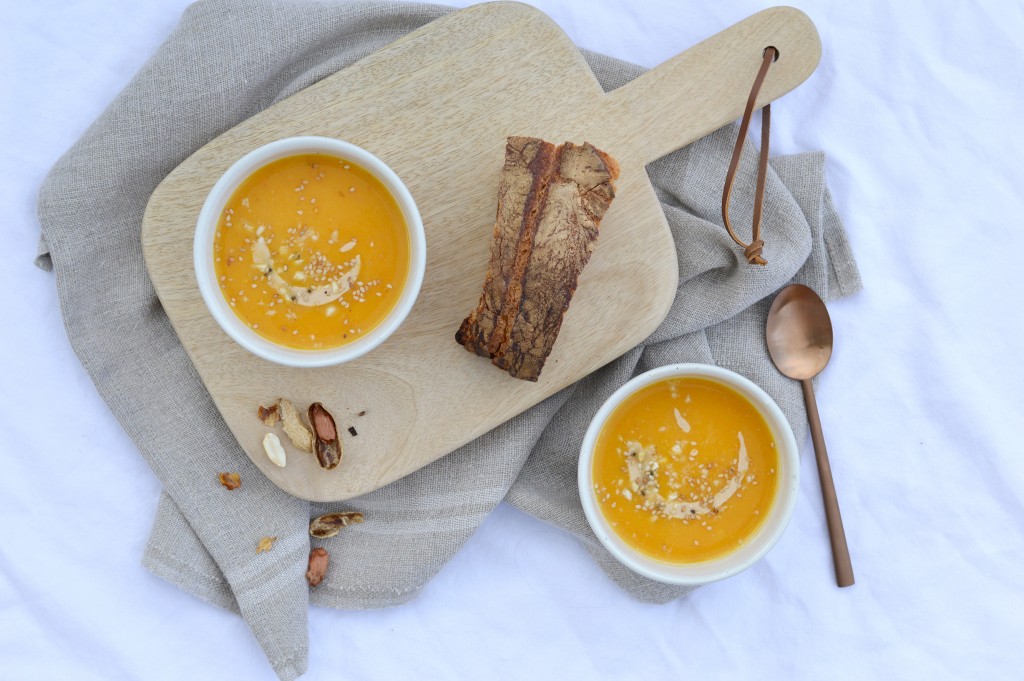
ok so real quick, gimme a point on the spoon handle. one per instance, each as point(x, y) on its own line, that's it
point(840, 551)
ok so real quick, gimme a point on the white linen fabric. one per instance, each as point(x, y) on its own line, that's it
point(77, 502)
point(91, 207)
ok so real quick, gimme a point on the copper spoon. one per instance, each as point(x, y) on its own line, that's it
point(799, 334)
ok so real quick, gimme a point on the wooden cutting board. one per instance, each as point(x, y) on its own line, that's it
point(437, 106)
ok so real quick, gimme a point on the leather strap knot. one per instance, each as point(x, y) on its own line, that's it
point(752, 251)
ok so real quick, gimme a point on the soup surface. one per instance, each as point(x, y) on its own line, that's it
point(311, 251)
point(685, 470)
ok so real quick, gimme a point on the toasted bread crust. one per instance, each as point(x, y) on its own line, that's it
point(551, 200)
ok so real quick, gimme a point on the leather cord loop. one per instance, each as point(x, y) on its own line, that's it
point(752, 251)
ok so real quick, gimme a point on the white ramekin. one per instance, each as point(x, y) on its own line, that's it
point(754, 548)
point(206, 228)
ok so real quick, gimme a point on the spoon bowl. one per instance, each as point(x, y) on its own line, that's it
point(799, 333)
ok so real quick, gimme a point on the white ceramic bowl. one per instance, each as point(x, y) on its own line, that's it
point(206, 228)
point(755, 547)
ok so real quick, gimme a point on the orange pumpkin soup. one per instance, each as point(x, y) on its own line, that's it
point(685, 470)
point(312, 251)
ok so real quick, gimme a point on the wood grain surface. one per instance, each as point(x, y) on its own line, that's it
point(437, 106)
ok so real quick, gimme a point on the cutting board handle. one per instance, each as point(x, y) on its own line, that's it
point(707, 86)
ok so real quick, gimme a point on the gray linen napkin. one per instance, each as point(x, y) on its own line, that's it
point(225, 62)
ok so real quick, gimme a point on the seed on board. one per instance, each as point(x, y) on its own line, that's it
point(294, 428)
point(326, 444)
point(269, 415)
point(275, 452)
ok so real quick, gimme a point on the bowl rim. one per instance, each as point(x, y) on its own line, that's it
point(764, 538)
point(220, 194)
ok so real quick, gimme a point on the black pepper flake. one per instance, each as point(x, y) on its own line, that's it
point(352, 431)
